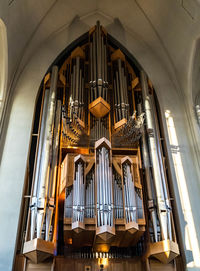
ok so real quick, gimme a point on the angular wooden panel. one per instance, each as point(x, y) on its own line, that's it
point(99, 108)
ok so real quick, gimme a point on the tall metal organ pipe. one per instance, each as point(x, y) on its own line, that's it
point(41, 182)
point(98, 70)
point(53, 175)
point(157, 169)
point(120, 91)
point(77, 89)
point(163, 174)
point(149, 181)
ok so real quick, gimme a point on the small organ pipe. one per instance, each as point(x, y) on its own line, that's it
point(129, 191)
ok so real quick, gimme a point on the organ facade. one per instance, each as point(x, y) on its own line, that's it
point(98, 185)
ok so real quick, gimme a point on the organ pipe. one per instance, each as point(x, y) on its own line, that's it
point(129, 191)
point(149, 181)
point(157, 166)
point(118, 196)
point(78, 193)
point(53, 175)
point(104, 184)
point(98, 57)
point(41, 183)
point(121, 102)
point(90, 195)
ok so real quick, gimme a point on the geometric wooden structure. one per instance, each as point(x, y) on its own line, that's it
point(99, 107)
point(117, 55)
point(78, 52)
point(165, 251)
point(120, 123)
point(134, 82)
point(38, 250)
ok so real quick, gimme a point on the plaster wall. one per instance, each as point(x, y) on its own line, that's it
point(49, 39)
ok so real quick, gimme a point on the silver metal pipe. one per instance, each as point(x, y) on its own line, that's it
point(119, 96)
point(115, 102)
point(74, 83)
point(95, 63)
point(91, 61)
point(162, 208)
point(120, 80)
point(105, 170)
point(77, 77)
point(111, 197)
point(98, 196)
point(42, 185)
point(164, 181)
point(53, 176)
point(103, 67)
point(149, 181)
point(33, 203)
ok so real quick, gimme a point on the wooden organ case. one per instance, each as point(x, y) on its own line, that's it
point(99, 185)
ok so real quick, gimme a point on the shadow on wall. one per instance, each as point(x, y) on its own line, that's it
point(192, 250)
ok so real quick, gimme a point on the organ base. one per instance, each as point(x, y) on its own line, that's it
point(78, 226)
point(60, 263)
point(105, 232)
point(164, 251)
point(38, 250)
point(132, 227)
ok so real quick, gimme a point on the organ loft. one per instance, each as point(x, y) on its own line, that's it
point(97, 186)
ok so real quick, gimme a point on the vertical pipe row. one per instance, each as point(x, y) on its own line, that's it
point(53, 175)
point(76, 99)
point(43, 171)
point(98, 57)
point(129, 194)
point(89, 199)
point(120, 91)
point(68, 202)
point(149, 181)
point(78, 193)
point(118, 198)
point(104, 189)
point(157, 167)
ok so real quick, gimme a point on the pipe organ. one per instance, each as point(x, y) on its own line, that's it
point(100, 156)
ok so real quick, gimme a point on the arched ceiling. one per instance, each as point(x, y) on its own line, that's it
point(168, 29)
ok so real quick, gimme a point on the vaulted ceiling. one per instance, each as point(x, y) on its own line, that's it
point(168, 29)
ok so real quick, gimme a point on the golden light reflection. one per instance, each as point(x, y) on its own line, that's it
point(191, 241)
point(103, 261)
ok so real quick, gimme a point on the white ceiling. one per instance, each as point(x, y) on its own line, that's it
point(170, 29)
